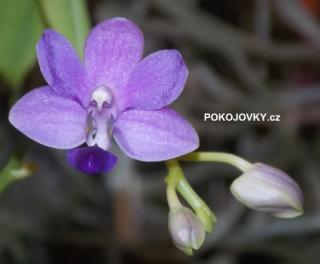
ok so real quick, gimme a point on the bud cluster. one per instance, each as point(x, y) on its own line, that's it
point(260, 187)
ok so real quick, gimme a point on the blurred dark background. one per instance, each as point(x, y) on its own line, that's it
point(259, 56)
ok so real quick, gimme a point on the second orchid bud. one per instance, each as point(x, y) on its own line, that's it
point(186, 229)
point(265, 188)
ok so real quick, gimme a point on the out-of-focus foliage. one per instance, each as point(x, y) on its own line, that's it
point(13, 171)
point(69, 17)
point(20, 27)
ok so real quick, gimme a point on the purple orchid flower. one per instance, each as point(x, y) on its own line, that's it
point(112, 92)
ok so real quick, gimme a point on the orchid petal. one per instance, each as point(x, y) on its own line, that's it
point(112, 50)
point(91, 159)
point(156, 82)
point(49, 119)
point(154, 135)
point(61, 67)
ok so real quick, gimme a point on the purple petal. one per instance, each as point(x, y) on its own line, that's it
point(156, 82)
point(154, 135)
point(49, 119)
point(112, 50)
point(61, 67)
point(91, 159)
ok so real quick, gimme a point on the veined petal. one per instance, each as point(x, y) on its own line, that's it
point(154, 135)
point(61, 67)
point(49, 119)
point(156, 82)
point(112, 50)
point(91, 159)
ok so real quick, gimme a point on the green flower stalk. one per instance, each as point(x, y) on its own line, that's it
point(201, 209)
point(186, 228)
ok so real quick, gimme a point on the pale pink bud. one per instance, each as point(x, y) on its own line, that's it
point(186, 229)
point(268, 189)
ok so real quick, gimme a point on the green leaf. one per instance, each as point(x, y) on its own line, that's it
point(20, 27)
point(70, 18)
point(13, 171)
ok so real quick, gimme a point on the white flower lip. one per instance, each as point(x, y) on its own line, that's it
point(100, 117)
point(264, 188)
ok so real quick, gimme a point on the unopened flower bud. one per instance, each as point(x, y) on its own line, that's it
point(186, 229)
point(268, 189)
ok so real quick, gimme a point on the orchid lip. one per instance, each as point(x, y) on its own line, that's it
point(100, 116)
point(91, 160)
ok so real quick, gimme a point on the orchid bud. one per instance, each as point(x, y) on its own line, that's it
point(264, 188)
point(186, 229)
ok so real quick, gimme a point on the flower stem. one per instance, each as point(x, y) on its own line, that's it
point(172, 197)
point(223, 157)
point(177, 180)
point(172, 181)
